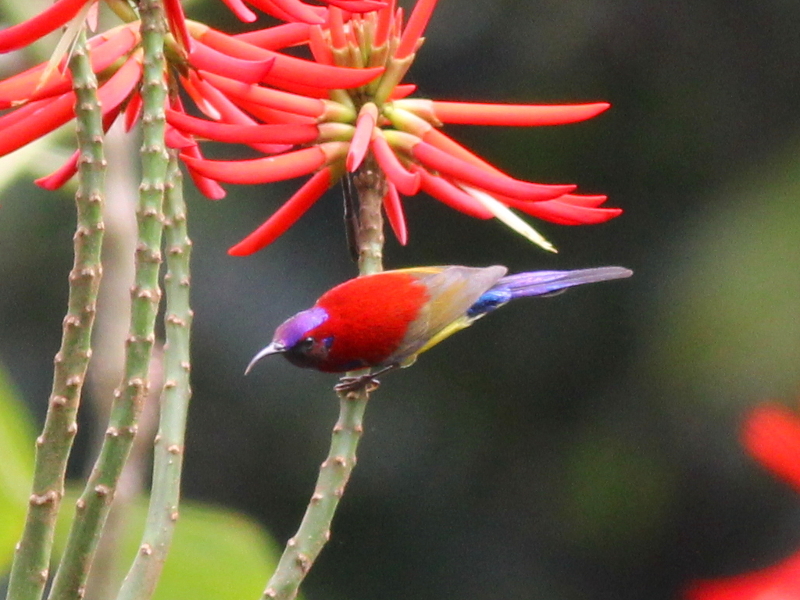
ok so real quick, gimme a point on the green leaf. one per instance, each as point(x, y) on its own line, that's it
point(17, 439)
point(216, 554)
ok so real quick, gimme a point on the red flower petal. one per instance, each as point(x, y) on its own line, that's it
point(492, 182)
point(263, 170)
point(401, 91)
point(29, 85)
point(133, 110)
point(239, 9)
point(452, 196)
point(365, 124)
point(320, 49)
point(288, 10)
point(242, 134)
point(214, 61)
point(23, 112)
point(394, 213)
point(207, 186)
point(772, 435)
point(289, 68)
point(176, 140)
point(778, 582)
point(561, 213)
point(270, 115)
point(278, 37)
point(514, 115)
point(285, 101)
point(408, 183)
point(51, 114)
point(177, 23)
point(336, 29)
point(357, 6)
point(230, 112)
point(61, 176)
point(417, 22)
point(384, 23)
point(286, 216)
point(47, 21)
point(589, 201)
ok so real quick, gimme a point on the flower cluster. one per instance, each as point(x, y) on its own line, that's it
point(319, 117)
point(42, 99)
point(772, 436)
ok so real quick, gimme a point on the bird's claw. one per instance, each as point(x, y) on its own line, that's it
point(354, 384)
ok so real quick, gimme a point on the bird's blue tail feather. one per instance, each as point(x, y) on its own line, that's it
point(539, 283)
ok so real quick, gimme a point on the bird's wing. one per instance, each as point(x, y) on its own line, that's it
point(452, 290)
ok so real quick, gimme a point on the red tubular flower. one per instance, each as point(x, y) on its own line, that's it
point(52, 114)
point(272, 168)
point(294, 10)
point(243, 134)
point(400, 132)
point(54, 16)
point(325, 115)
point(286, 215)
point(395, 215)
point(40, 82)
point(771, 434)
point(218, 72)
point(213, 61)
point(278, 37)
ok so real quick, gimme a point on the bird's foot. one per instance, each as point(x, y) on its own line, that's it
point(355, 384)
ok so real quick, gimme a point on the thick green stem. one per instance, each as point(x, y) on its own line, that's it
point(302, 550)
point(140, 583)
point(93, 505)
point(29, 573)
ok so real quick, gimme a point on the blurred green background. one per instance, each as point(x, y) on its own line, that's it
point(578, 447)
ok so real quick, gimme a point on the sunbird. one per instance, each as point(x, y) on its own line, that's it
point(384, 321)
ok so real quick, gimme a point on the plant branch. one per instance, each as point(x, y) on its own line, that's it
point(93, 506)
point(29, 573)
point(140, 583)
point(108, 362)
point(302, 550)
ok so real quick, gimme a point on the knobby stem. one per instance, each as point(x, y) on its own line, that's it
point(29, 572)
point(94, 503)
point(302, 550)
point(140, 583)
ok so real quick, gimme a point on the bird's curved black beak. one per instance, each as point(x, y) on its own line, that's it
point(273, 348)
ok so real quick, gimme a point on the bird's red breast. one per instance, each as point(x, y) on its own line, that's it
point(368, 318)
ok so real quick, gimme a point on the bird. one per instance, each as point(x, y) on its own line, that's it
point(385, 320)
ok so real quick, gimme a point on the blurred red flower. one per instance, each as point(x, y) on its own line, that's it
point(772, 435)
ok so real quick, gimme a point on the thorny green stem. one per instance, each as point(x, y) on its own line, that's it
point(29, 572)
point(140, 583)
point(94, 503)
point(302, 550)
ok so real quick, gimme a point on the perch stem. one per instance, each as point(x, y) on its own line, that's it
point(303, 548)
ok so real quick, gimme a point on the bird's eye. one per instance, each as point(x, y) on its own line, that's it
point(306, 344)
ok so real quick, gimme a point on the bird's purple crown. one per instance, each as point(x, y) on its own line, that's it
point(296, 328)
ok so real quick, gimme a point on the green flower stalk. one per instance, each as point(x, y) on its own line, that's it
point(162, 515)
point(29, 573)
point(94, 503)
point(303, 548)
